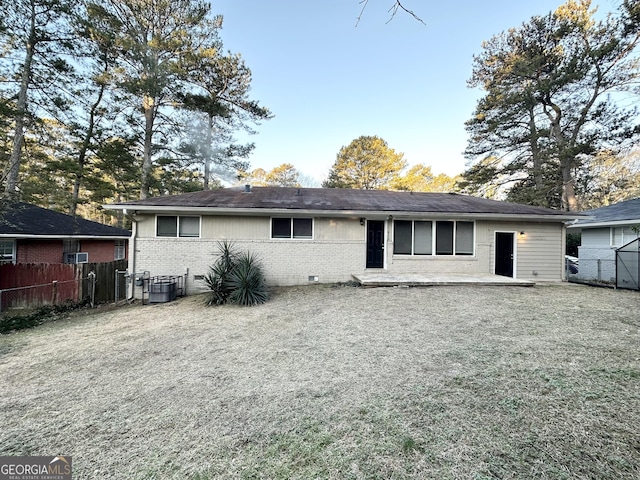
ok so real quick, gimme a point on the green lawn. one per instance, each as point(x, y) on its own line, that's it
point(323, 382)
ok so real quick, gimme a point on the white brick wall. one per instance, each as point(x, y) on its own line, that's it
point(427, 264)
point(284, 262)
point(338, 251)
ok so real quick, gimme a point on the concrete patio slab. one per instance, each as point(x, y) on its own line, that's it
point(379, 279)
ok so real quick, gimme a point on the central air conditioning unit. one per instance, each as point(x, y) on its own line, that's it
point(79, 257)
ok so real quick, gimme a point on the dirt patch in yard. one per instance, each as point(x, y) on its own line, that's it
point(325, 382)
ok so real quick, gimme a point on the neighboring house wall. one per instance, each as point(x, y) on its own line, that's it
point(52, 251)
point(337, 250)
point(100, 250)
point(38, 251)
point(597, 252)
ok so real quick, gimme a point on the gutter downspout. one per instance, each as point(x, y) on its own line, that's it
point(564, 253)
point(132, 255)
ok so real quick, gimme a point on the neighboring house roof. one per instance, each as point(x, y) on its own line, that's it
point(332, 201)
point(23, 220)
point(622, 213)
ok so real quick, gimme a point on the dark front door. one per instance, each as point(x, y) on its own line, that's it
point(375, 243)
point(504, 254)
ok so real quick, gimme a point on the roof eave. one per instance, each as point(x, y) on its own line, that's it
point(255, 211)
point(610, 223)
point(64, 237)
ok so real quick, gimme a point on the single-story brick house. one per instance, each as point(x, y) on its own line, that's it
point(31, 234)
point(603, 231)
point(323, 235)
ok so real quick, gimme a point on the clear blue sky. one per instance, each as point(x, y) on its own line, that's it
point(328, 82)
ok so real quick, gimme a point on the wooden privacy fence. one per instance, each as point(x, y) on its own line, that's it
point(35, 285)
point(105, 274)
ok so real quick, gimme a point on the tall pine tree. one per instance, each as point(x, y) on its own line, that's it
point(549, 106)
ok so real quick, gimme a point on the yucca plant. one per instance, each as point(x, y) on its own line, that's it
point(247, 281)
point(218, 277)
point(235, 278)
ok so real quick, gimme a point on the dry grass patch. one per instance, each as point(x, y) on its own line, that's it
point(450, 382)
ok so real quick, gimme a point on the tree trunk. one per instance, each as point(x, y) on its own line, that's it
point(149, 106)
point(569, 200)
point(82, 154)
point(21, 111)
point(535, 153)
point(208, 152)
point(119, 214)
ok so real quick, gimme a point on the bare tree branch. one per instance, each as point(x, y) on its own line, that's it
point(394, 9)
point(397, 5)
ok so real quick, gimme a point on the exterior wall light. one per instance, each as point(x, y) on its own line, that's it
point(362, 220)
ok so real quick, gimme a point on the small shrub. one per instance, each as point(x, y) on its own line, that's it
point(44, 314)
point(219, 273)
point(247, 281)
point(235, 278)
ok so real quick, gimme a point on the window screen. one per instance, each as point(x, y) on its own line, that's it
point(464, 238)
point(280, 228)
point(291, 228)
point(617, 236)
point(444, 238)
point(402, 237)
point(302, 228)
point(422, 238)
point(189, 226)
point(167, 226)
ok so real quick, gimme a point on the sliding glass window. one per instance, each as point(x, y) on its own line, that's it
point(441, 237)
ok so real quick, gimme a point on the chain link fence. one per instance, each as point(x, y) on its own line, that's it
point(628, 266)
point(594, 270)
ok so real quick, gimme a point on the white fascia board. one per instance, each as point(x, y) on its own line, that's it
point(485, 216)
point(616, 223)
point(371, 214)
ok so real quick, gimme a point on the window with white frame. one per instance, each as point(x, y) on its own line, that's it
point(7, 251)
point(419, 237)
point(120, 250)
point(301, 228)
point(622, 235)
point(617, 235)
point(177, 226)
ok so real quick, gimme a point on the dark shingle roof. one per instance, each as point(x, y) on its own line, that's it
point(19, 218)
point(619, 212)
point(339, 200)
